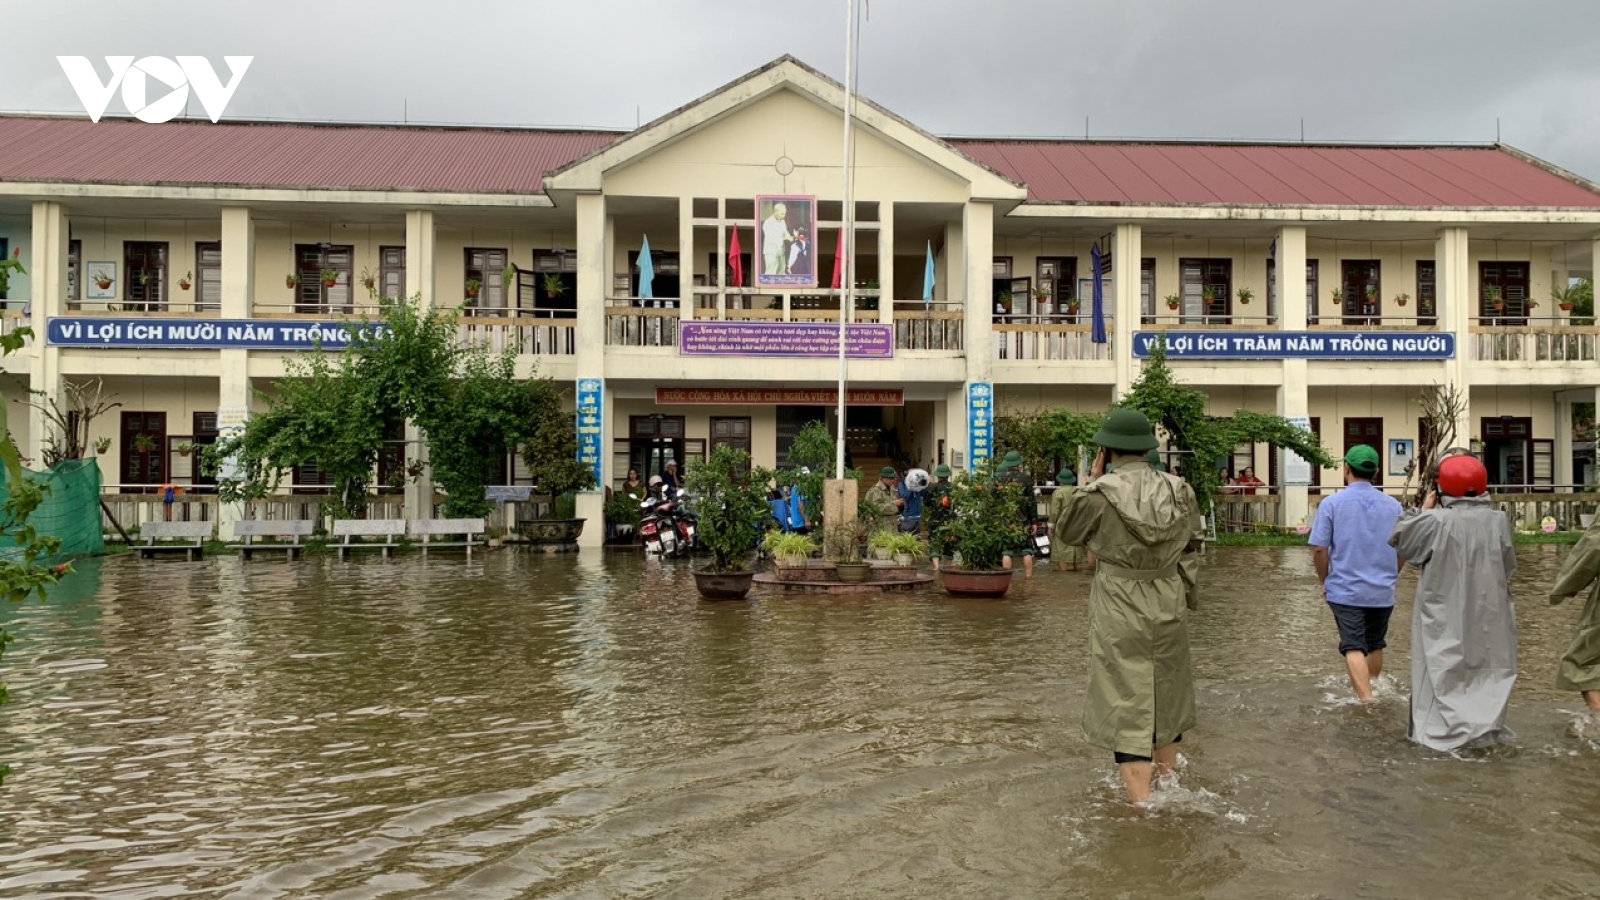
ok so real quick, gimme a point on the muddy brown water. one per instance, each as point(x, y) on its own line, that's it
point(532, 726)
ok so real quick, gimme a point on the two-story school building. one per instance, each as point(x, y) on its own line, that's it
point(183, 263)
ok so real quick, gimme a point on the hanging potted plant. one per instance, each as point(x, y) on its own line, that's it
point(1041, 296)
point(186, 281)
point(1336, 298)
point(554, 286)
point(1073, 305)
point(474, 287)
point(732, 500)
point(369, 280)
point(983, 527)
point(1493, 296)
point(144, 443)
point(291, 281)
point(1245, 295)
point(1530, 306)
point(330, 277)
point(508, 277)
point(1401, 299)
point(102, 445)
point(186, 448)
point(1174, 301)
point(1208, 294)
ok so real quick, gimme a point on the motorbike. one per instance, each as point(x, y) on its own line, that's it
point(1039, 533)
point(668, 527)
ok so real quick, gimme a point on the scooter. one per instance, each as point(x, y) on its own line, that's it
point(1039, 533)
point(666, 528)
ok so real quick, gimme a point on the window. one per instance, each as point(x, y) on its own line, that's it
point(1367, 431)
point(1311, 291)
point(1361, 291)
point(665, 285)
point(1503, 293)
point(208, 275)
point(75, 271)
point(731, 431)
point(1057, 280)
point(1207, 289)
point(146, 278)
point(550, 291)
point(143, 446)
point(1147, 288)
point(205, 434)
point(310, 479)
point(314, 294)
point(486, 266)
point(391, 272)
point(1427, 293)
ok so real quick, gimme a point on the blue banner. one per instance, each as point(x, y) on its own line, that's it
point(202, 334)
point(591, 427)
point(1374, 345)
point(980, 421)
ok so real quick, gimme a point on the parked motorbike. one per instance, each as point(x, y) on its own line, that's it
point(1039, 533)
point(668, 527)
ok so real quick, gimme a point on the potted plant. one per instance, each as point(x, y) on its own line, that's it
point(1565, 298)
point(1245, 295)
point(474, 287)
point(1493, 296)
point(1173, 301)
point(291, 281)
point(102, 445)
point(622, 517)
point(187, 447)
point(908, 548)
point(1530, 305)
point(1002, 302)
point(881, 543)
point(1401, 299)
point(732, 500)
point(983, 528)
point(844, 548)
point(330, 277)
point(1337, 297)
point(1372, 296)
point(1073, 305)
point(144, 443)
point(790, 551)
point(1209, 294)
point(186, 281)
point(554, 286)
point(368, 280)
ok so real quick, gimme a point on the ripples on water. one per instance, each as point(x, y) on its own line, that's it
point(540, 726)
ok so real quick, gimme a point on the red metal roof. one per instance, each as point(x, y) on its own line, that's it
point(1097, 172)
point(461, 160)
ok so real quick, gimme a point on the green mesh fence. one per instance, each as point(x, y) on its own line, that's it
point(71, 507)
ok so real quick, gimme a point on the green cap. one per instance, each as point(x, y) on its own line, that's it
point(1126, 430)
point(1362, 460)
point(1154, 459)
point(1012, 458)
point(1065, 476)
point(888, 472)
point(942, 472)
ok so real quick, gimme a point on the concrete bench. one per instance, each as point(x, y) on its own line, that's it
point(427, 529)
point(353, 534)
point(248, 531)
point(194, 533)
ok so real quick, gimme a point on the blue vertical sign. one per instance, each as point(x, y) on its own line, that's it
point(980, 421)
point(591, 426)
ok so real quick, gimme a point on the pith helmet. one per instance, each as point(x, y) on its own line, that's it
point(1126, 430)
point(942, 472)
point(1065, 477)
point(1154, 459)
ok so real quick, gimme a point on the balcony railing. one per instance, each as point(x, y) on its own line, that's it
point(530, 337)
point(1050, 340)
point(631, 326)
point(1534, 343)
point(930, 329)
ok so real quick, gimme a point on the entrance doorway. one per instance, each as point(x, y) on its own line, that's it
point(143, 445)
point(1514, 458)
point(1369, 432)
point(652, 441)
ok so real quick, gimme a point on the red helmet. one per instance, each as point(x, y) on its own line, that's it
point(1463, 476)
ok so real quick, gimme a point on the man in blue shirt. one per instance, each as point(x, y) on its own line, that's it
point(1357, 567)
point(911, 512)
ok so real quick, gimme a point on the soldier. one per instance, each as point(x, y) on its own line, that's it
point(936, 511)
point(1141, 524)
point(885, 499)
point(1580, 667)
point(1069, 557)
point(1010, 472)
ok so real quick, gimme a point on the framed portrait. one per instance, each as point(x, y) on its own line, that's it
point(1402, 452)
point(786, 231)
point(100, 281)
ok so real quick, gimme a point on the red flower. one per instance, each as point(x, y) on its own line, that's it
point(61, 569)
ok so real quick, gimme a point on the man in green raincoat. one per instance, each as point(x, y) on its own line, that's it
point(1142, 524)
point(885, 500)
point(1580, 667)
point(936, 512)
point(1010, 472)
point(1069, 557)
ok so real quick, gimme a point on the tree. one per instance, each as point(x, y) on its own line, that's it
point(1442, 406)
point(550, 443)
point(813, 455)
point(1207, 440)
point(1046, 438)
point(69, 437)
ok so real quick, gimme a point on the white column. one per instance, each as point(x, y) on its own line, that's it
point(1294, 394)
point(238, 302)
point(886, 262)
point(1126, 252)
point(685, 258)
point(48, 270)
point(421, 233)
point(1457, 290)
point(977, 243)
point(594, 285)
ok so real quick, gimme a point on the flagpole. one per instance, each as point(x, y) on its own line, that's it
point(846, 276)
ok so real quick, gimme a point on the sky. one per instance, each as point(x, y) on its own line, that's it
point(1429, 71)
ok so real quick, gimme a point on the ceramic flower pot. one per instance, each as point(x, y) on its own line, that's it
point(723, 585)
point(968, 583)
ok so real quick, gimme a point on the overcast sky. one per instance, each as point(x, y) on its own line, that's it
point(1372, 70)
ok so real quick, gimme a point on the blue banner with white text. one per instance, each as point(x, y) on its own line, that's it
point(980, 421)
point(1370, 345)
point(591, 427)
point(202, 334)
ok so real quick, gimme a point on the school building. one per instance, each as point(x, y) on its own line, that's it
point(183, 263)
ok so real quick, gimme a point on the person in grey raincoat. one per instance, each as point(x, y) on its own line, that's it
point(1463, 623)
point(1580, 667)
point(1141, 524)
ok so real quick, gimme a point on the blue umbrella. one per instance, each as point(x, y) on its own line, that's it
point(647, 271)
point(928, 281)
point(1097, 319)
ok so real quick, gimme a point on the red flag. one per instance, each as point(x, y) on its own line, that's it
point(838, 259)
point(736, 260)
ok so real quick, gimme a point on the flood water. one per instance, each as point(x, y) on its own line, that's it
point(545, 726)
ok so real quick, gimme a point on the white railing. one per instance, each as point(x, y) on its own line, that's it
point(530, 337)
point(1534, 344)
point(628, 326)
point(934, 329)
point(1051, 341)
